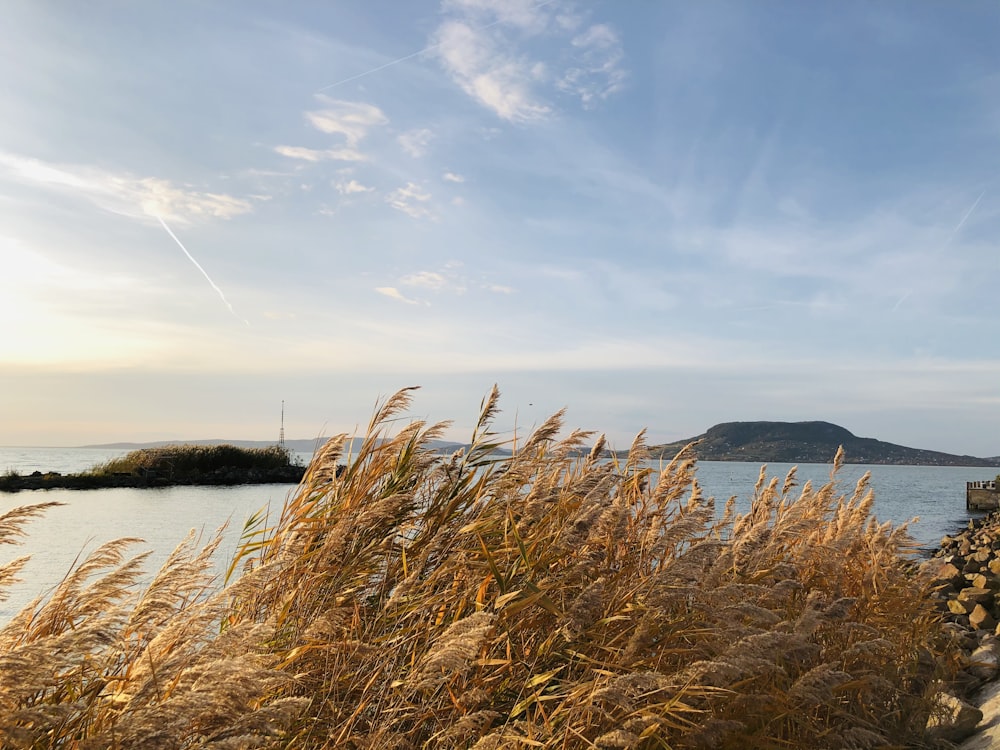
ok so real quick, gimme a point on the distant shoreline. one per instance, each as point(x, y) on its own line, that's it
point(168, 466)
point(53, 480)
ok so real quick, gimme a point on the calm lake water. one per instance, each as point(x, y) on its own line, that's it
point(163, 517)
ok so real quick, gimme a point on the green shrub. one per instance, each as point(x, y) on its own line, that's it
point(186, 460)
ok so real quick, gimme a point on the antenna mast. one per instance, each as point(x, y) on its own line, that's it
point(281, 432)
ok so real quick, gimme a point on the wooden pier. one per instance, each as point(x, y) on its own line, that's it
point(982, 495)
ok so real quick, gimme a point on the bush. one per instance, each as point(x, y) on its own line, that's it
point(179, 461)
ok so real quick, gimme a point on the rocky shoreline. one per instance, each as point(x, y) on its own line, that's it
point(965, 574)
point(150, 479)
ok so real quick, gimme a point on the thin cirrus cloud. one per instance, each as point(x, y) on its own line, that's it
point(426, 279)
point(598, 71)
point(450, 279)
point(412, 200)
point(123, 193)
point(350, 122)
point(452, 177)
point(351, 187)
point(393, 293)
point(500, 82)
point(315, 155)
point(415, 142)
point(483, 46)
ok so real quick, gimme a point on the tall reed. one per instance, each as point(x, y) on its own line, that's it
point(539, 600)
point(549, 598)
point(101, 664)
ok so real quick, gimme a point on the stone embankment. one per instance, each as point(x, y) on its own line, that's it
point(966, 574)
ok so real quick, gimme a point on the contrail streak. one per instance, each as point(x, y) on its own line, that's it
point(947, 242)
point(901, 300)
point(376, 70)
point(414, 54)
point(203, 272)
point(968, 214)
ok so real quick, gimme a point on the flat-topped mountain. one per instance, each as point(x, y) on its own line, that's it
point(807, 442)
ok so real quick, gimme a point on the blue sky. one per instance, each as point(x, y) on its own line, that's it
point(659, 215)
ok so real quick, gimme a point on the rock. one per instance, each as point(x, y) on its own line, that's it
point(994, 566)
point(944, 572)
point(953, 719)
point(970, 642)
point(962, 637)
point(976, 595)
point(981, 619)
point(990, 640)
point(985, 582)
point(959, 607)
point(987, 735)
point(983, 663)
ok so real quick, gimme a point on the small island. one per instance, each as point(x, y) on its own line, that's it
point(169, 466)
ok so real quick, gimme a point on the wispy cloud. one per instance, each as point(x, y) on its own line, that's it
point(452, 177)
point(350, 187)
point(352, 120)
point(501, 81)
point(349, 121)
point(427, 279)
point(598, 72)
point(526, 15)
point(415, 142)
point(484, 47)
point(123, 193)
point(393, 293)
point(451, 278)
point(412, 200)
point(314, 155)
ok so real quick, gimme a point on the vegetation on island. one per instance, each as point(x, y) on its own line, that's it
point(195, 460)
point(171, 465)
point(530, 600)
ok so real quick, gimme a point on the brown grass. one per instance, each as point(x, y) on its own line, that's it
point(531, 600)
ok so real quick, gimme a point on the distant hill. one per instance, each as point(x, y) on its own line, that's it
point(759, 442)
point(807, 442)
point(300, 446)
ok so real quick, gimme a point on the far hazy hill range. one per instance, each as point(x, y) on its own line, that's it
point(308, 445)
point(757, 442)
point(806, 442)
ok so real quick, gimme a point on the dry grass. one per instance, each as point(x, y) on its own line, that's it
point(532, 600)
point(98, 664)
